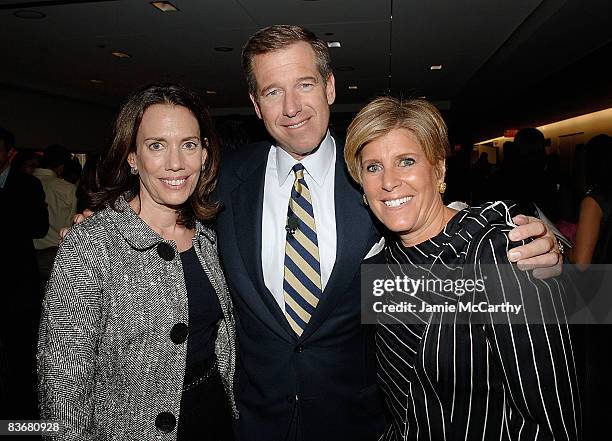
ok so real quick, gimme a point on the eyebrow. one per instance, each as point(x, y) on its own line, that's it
point(299, 80)
point(189, 138)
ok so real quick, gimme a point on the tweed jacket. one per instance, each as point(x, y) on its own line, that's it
point(111, 358)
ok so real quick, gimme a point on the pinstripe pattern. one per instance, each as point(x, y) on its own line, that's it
point(302, 281)
point(478, 382)
point(106, 364)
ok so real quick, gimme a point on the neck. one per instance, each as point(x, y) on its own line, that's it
point(161, 218)
point(435, 221)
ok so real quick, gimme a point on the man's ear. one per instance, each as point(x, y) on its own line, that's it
point(330, 89)
point(255, 105)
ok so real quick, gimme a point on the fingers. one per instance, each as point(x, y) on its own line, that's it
point(541, 246)
point(63, 233)
point(86, 213)
point(527, 227)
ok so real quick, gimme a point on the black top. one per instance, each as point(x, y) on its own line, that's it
point(204, 315)
point(476, 381)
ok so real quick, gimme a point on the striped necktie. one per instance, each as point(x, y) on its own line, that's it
point(302, 282)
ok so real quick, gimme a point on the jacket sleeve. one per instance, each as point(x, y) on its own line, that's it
point(68, 336)
point(533, 348)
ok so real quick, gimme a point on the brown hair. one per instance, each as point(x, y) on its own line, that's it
point(113, 177)
point(279, 37)
point(384, 114)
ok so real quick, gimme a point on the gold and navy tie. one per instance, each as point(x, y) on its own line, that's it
point(302, 282)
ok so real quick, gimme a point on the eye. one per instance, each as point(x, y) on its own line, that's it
point(406, 162)
point(273, 92)
point(190, 145)
point(306, 86)
point(372, 168)
point(156, 146)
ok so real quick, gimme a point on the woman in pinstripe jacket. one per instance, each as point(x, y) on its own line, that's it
point(137, 335)
point(487, 373)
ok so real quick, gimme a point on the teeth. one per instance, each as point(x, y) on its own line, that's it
point(295, 126)
point(175, 182)
point(397, 202)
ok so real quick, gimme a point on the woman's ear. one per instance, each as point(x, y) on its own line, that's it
point(441, 170)
point(131, 159)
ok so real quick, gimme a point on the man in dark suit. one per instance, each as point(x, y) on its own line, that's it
point(24, 217)
point(292, 236)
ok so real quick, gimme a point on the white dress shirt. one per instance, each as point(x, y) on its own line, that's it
point(319, 175)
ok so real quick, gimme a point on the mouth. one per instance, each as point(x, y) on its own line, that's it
point(174, 183)
point(393, 203)
point(297, 125)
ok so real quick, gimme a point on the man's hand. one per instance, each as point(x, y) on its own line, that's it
point(542, 254)
point(77, 219)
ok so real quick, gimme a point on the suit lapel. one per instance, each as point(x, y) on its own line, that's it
point(248, 235)
point(355, 236)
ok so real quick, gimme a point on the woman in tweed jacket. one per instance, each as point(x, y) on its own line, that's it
point(137, 336)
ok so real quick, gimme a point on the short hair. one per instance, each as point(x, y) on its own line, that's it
point(113, 177)
point(384, 114)
point(277, 37)
point(55, 155)
point(8, 139)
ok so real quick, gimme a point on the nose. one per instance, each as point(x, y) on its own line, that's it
point(291, 104)
point(174, 158)
point(390, 180)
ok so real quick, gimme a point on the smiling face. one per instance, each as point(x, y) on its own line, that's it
point(292, 99)
point(169, 155)
point(401, 186)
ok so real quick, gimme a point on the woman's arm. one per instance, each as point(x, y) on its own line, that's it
point(532, 349)
point(587, 232)
point(68, 336)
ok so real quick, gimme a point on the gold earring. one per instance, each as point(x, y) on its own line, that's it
point(365, 200)
point(442, 187)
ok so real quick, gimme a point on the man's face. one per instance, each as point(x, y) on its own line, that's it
point(292, 98)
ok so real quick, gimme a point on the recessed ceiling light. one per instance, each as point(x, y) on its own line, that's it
point(121, 54)
point(333, 44)
point(353, 87)
point(96, 81)
point(423, 97)
point(211, 92)
point(29, 15)
point(435, 67)
point(164, 6)
point(224, 49)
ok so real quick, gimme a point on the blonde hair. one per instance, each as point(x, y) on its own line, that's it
point(385, 114)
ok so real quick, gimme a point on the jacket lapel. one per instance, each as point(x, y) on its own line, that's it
point(249, 194)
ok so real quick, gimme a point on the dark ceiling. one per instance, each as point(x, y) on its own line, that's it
point(505, 62)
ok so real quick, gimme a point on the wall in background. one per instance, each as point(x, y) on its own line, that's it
point(38, 120)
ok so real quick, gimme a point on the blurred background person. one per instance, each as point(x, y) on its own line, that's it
point(60, 196)
point(26, 161)
point(24, 217)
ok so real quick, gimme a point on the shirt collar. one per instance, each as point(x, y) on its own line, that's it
point(317, 164)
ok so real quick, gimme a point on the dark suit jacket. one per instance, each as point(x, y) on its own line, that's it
point(324, 381)
point(23, 217)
